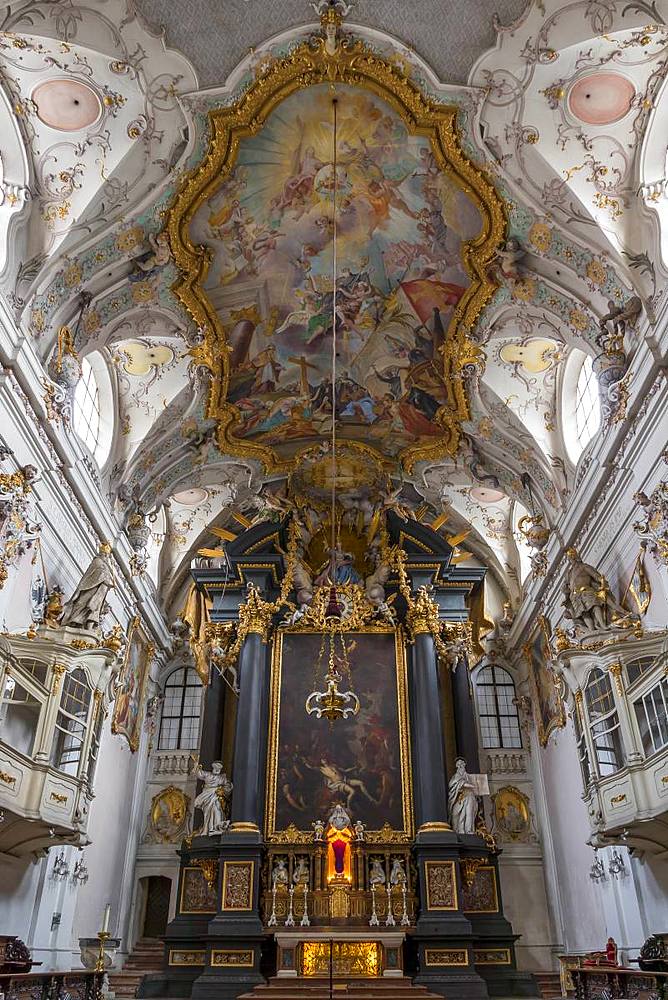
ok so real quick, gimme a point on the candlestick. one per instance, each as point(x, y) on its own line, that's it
point(100, 964)
point(105, 919)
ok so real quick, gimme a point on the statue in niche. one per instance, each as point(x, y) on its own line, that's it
point(377, 873)
point(213, 800)
point(279, 875)
point(398, 873)
point(301, 875)
point(340, 569)
point(359, 830)
point(318, 830)
point(588, 601)
point(618, 317)
point(86, 605)
point(463, 800)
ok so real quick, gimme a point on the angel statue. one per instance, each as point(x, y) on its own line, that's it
point(86, 605)
point(213, 799)
point(463, 800)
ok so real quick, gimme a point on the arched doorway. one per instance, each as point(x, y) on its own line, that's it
point(158, 892)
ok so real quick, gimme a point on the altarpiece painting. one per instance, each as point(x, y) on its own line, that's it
point(548, 702)
point(129, 703)
point(362, 762)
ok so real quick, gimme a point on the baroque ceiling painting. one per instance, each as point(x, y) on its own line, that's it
point(401, 224)
point(486, 230)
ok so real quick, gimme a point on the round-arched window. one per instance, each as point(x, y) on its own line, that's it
point(587, 406)
point(87, 407)
point(580, 405)
point(93, 407)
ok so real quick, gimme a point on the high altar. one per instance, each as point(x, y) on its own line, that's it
point(339, 855)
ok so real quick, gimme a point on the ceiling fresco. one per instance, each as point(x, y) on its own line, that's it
point(400, 222)
point(562, 117)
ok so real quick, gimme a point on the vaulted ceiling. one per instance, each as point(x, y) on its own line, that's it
point(563, 115)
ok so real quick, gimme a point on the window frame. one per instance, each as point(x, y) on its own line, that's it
point(189, 671)
point(569, 397)
point(498, 715)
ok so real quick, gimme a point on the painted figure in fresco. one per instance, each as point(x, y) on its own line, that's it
point(588, 600)
point(463, 800)
point(213, 799)
point(86, 605)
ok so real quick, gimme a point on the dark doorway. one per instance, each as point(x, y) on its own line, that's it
point(157, 906)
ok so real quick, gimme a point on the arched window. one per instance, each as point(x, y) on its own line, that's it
point(580, 405)
point(603, 723)
point(499, 721)
point(93, 410)
point(587, 406)
point(179, 724)
point(87, 407)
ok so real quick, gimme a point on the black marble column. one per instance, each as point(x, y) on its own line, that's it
point(464, 712)
point(211, 741)
point(251, 735)
point(429, 775)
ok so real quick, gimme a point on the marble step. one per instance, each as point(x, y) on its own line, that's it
point(369, 989)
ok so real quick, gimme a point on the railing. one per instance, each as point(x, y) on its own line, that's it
point(506, 763)
point(619, 984)
point(52, 986)
point(177, 762)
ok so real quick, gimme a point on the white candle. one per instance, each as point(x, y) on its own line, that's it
point(105, 919)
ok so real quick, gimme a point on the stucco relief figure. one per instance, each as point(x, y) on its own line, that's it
point(463, 800)
point(86, 605)
point(213, 799)
point(618, 316)
point(588, 600)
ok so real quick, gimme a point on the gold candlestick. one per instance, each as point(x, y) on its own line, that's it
point(102, 938)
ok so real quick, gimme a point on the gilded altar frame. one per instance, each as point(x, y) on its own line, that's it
point(292, 834)
point(356, 64)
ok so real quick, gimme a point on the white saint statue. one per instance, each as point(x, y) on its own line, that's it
point(279, 875)
point(213, 798)
point(463, 800)
point(398, 873)
point(85, 606)
point(377, 873)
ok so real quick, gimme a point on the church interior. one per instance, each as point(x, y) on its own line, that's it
point(333, 499)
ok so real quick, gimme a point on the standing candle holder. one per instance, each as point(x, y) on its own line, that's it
point(405, 919)
point(305, 922)
point(272, 922)
point(290, 920)
point(374, 922)
point(100, 964)
point(389, 920)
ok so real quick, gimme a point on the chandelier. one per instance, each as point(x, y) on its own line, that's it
point(332, 703)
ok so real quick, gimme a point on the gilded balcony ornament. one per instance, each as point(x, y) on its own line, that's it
point(653, 528)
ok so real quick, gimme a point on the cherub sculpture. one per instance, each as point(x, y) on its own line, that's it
point(621, 316)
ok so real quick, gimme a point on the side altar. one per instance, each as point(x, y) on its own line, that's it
point(340, 705)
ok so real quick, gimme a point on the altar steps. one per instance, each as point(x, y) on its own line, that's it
point(361, 989)
point(550, 984)
point(147, 956)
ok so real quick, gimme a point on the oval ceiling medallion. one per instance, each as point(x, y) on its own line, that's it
point(191, 498)
point(484, 495)
point(602, 98)
point(66, 105)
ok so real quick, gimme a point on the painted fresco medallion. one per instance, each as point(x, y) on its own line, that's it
point(402, 227)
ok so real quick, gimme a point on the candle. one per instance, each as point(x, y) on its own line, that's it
point(105, 919)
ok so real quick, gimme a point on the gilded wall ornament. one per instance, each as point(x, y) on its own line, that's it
point(168, 816)
point(653, 526)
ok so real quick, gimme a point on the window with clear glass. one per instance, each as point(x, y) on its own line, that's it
point(604, 723)
point(71, 723)
point(652, 715)
point(587, 405)
point(636, 668)
point(499, 720)
point(87, 407)
point(583, 752)
point(19, 716)
point(179, 723)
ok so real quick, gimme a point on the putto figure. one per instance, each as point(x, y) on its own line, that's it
point(86, 605)
point(463, 800)
point(213, 800)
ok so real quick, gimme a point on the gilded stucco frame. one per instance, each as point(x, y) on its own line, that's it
point(557, 721)
point(403, 721)
point(353, 63)
point(136, 628)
